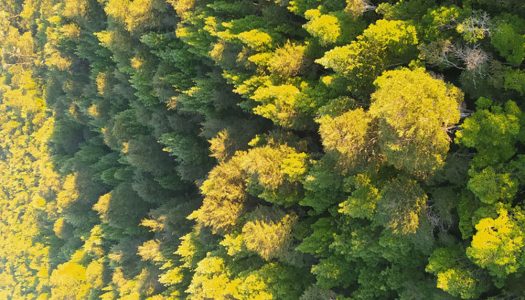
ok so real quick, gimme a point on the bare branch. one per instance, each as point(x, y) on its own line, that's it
point(358, 7)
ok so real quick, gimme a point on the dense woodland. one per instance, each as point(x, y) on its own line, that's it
point(265, 149)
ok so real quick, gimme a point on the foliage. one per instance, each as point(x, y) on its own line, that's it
point(415, 111)
point(299, 149)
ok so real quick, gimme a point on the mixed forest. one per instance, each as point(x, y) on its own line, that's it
point(262, 149)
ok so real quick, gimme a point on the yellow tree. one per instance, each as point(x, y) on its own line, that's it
point(414, 112)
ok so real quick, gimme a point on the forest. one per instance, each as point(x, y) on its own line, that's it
point(262, 149)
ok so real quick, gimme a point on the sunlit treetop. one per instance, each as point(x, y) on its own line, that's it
point(415, 112)
point(498, 243)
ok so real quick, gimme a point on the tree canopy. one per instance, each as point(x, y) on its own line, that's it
point(304, 149)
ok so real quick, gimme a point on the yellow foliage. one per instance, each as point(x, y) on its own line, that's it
point(68, 281)
point(278, 103)
point(326, 28)
point(69, 193)
point(102, 206)
point(233, 244)
point(498, 243)
point(95, 274)
point(256, 39)
point(269, 237)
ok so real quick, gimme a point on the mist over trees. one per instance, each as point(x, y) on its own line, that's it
point(270, 149)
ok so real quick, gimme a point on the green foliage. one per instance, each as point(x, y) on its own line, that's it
point(437, 19)
point(455, 274)
point(363, 201)
point(513, 80)
point(333, 271)
point(317, 243)
point(402, 206)
point(508, 40)
point(492, 130)
point(382, 44)
point(491, 187)
point(122, 208)
point(323, 186)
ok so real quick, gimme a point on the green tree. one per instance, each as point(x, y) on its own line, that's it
point(492, 130)
point(507, 38)
point(491, 187)
point(455, 274)
point(383, 44)
point(122, 208)
point(402, 206)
